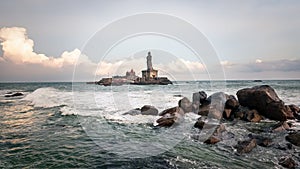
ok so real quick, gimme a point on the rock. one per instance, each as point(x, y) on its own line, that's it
point(14, 94)
point(149, 110)
point(253, 116)
point(199, 98)
point(199, 124)
point(168, 111)
point(281, 126)
point(227, 113)
point(212, 140)
point(216, 106)
point(245, 146)
point(289, 113)
point(294, 108)
point(185, 104)
point(261, 140)
point(265, 100)
point(203, 109)
point(232, 103)
point(133, 112)
point(169, 119)
point(287, 162)
point(294, 138)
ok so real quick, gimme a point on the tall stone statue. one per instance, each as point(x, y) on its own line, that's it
point(149, 61)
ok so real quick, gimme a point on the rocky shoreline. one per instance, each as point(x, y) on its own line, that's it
point(253, 105)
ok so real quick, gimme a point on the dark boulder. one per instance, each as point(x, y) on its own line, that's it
point(185, 104)
point(232, 103)
point(294, 138)
point(14, 94)
point(265, 100)
point(245, 146)
point(149, 110)
point(171, 118)
point(168, 111)
point(287, 162)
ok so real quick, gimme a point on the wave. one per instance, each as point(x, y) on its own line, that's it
point(48, 97)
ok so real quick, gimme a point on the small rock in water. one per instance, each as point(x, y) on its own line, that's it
point(281, 126)
point(149, 110)
point(261, 140)
point(174, 116)
point(14, 94)
point(294, 138)
point(287, 162)
point(245, 146)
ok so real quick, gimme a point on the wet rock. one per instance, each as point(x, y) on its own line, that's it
point(232, 103)
point(245, 146)
point(204, 109)
point(149, 110)
point(212, 140)
point(199, 124)
point(171, 118)
point(185, 104)
point(216, 106)
point(199, 98)
point(281, 126)
point(168, 111)
point(253, 116)
point(261, 140)
point(287, 162)
point(133, 112)
point(265, 100)
point(296, 110)
point(294, 138)
point(227, 113)
point(14, 94)
point(289, 113)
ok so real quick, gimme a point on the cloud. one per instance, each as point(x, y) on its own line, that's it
point(18, 48)
point(227, 64)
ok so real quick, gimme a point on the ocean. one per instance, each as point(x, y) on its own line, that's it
point(79, 125)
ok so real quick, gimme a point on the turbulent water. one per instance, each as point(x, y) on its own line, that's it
point(65, 125)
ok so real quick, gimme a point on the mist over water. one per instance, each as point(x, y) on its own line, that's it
point(57, 125)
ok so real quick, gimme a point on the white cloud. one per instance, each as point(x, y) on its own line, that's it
point(18, 48)
point(258, 61)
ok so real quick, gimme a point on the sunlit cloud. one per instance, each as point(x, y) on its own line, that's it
point(258, 61)
point(19, 49)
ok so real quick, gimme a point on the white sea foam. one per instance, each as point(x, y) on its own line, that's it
point(48, 97)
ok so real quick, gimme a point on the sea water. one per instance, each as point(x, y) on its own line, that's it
point(79, 125)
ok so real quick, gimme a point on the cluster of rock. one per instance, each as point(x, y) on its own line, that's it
point(251, 105)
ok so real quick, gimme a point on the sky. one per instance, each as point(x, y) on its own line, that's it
point(53, 40)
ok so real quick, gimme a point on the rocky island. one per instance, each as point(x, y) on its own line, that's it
point(149, 77)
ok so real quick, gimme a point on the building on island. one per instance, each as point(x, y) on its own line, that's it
point(149, 77)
